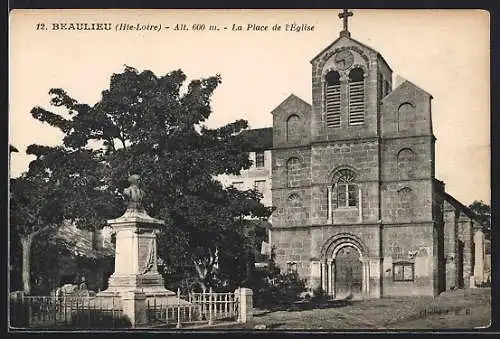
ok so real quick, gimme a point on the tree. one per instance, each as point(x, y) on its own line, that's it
point(33, 210)
point(483, 212)
point(145, 124)
point(60, 184)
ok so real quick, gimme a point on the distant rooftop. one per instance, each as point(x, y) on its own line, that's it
point(80, 243)
point(259, 139)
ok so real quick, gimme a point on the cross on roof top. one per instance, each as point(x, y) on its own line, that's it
point(344, 15)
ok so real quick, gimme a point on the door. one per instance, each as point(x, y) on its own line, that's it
point(348, 274)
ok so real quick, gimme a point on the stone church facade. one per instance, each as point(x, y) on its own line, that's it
point(358, 210)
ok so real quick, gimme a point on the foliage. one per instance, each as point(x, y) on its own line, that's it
point(273, 288)
point(153, 126)
point(35, 207)
point(46, 266)
point(483, 212)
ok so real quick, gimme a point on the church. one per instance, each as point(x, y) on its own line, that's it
point(359, 212)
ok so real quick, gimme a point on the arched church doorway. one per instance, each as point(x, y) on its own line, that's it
point(345, 267)
point(348, 273)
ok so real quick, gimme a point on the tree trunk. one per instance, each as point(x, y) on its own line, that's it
point(26, 248)
point(202, 275)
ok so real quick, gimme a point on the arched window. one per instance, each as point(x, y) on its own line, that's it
point(347, 192)
point(406, 164)
point(406, 116)
point(332, 99)
point(293, 172)
point(356, 97)
point(292, 127)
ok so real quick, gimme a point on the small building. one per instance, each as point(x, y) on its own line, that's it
point(91, 256)
point(70, 255)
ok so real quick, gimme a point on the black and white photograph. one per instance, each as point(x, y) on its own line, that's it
point(262, 170)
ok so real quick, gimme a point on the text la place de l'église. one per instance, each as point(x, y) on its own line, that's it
point(293, 27)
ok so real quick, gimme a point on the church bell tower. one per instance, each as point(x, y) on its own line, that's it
point(349, 80)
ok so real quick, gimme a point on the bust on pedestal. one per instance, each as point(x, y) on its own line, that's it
point(135, 253)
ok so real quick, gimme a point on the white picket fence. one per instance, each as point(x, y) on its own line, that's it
point(205, 307)
point(86, 311)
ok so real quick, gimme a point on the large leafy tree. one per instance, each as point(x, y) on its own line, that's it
point(153, 126)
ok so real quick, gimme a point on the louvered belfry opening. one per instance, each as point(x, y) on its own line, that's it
point(356, 97)
point(332, 99)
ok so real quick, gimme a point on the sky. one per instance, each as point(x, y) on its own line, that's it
point(445, 52)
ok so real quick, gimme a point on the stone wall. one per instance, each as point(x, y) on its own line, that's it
point(400, 216)
point(293, 244)
point(360, 156)
point(295, 132)
point(409, 244)
point(451, 246)
point(406, 112)
point(465, 238)
point(406, 202)
point(407, 158)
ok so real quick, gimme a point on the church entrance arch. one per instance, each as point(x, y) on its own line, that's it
point(348, 273)
point(345, 268)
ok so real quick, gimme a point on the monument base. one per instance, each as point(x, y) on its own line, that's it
point(151, 285)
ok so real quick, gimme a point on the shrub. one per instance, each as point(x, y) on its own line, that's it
point(273, 288)
point(285, 289)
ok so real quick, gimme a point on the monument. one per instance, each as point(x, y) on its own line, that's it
point(136, 274)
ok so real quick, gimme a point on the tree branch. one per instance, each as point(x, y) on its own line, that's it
point(122, 140)
point(41, 230)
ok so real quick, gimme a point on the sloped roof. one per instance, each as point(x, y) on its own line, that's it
point(292, 97)
point(80, 242)
point(355, 41)
point(458, 205)
point(411, 84)
point(259, 138)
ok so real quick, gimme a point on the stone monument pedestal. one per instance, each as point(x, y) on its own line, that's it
point(136, 281)
point(136, 261)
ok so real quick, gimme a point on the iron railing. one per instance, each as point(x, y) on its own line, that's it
point(65, 310)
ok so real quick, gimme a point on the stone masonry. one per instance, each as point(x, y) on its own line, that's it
point(358, 210)
point(397, 221)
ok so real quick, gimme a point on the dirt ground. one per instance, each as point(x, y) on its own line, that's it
point(460, 309)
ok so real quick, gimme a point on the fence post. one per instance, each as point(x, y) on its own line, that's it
point(204, 303)
point(55, 310)
point(134, 307)
point(210, 298)
point(245, 304)
point(178, 308)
